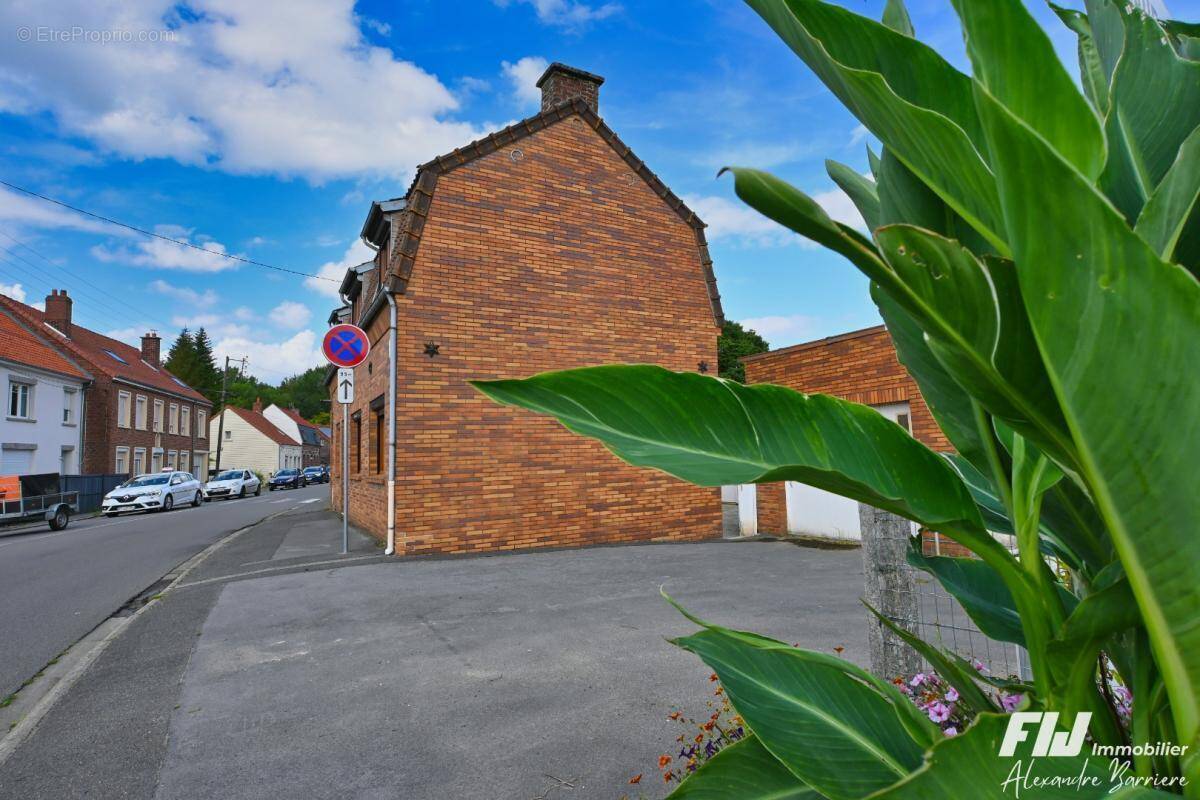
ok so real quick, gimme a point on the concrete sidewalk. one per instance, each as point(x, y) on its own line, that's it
point(285, 670)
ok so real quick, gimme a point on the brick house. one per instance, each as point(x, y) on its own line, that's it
point(860, 366)
point(137, 416)
point(546, 245)
point(299, 430)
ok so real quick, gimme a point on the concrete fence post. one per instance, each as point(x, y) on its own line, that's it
point(890, 586)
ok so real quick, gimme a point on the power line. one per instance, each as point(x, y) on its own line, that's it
point(179, 242)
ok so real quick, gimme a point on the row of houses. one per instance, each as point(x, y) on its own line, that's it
point(268, 439)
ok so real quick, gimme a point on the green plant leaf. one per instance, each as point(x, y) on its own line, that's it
point(1166, 213)
point(995, 515)
point(979, 589)
point(833, 732)
point(895, 16)
point(905, 199)
point(1091, 69)
point(860, 190)
point(904, 93)
point(1091, 287)
point(714, 432)
point(1034, 87)
point(971, 695)
point(744, 770)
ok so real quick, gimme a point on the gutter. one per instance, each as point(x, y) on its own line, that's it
point(391, 460)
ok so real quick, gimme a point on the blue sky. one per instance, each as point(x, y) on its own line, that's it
point(264, 130)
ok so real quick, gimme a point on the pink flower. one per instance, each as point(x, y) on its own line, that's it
point(917, 679)
point(951, 731)
point(939, 712)
point(1011, 701)
point(951, 695)
point(979, 666)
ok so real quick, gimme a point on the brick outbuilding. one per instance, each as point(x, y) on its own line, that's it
point(860, 366)
point(544, 246)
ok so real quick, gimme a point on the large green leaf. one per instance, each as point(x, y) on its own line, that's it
point(1166, 214)
point(1035, 87)
point(715, 432)
point(979, 590)
point(904, 93)
point(746, 771)
point(860, 190)
point(967, 765)
point(1091, 69)
point(1119, 333)
point(895, 16)
point(835, 733)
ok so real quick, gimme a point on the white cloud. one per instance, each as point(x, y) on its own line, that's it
point(24, 210)
point(857, 135)
point(272, 361)
point(569, 14)
point(204, 299)
point(14, 290)
point(838, 205)
point(244, 314)
point(235, 89)
point(737, 223)
point(290, 315)
point(784, 330)
point(523, 76)
point(131, 335)
point(161, 254)
point(355, 254)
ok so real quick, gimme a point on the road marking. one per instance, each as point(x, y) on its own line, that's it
point(294, 567)
point(273, 502)
point(311, 500)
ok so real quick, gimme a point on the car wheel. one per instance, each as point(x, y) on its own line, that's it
point(197, 500)
point(60, 520)
point(242, 492)
point(258, 490)
point(270, 488)
point(168, 502)
point(110, 514)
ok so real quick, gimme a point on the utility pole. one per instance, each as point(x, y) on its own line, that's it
point(221, 422)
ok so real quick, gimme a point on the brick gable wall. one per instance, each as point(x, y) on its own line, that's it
point(862, 367)
point(560, 257)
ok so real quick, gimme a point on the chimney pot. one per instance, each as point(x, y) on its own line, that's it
point(258, 405)
point(151, 349)
point(58, 311)
point(561, 83)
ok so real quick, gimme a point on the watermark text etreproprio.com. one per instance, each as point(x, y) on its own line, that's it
point(48, 34)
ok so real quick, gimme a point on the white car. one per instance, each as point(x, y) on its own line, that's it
point(159, 491)
point(232, 483)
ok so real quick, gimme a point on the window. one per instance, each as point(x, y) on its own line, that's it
point(185, 420)
point(356, 441)
point(378, 465)
point(69, 406)
point(201, 424)
point(66, 462)
point(19, 396)
point(139, 460)
point(123, 401)
point(122, 464)
point(158, 416)
point(185, 460)
point(171, 457)
point(173, 419)
point(156, 459)
point(228, 435)
point(200, 463)
point(139, 412)
point(116, 357)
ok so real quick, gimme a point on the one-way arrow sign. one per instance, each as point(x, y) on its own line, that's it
point(345, 386)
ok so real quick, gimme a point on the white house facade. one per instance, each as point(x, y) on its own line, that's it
point(249, 441)
point(42, 428)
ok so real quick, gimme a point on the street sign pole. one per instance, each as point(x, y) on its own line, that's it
point(345, 478)
point(345, 347)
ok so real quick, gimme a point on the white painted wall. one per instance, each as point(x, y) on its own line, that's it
point(246, 447)
point(43, 442)
point(277, 417)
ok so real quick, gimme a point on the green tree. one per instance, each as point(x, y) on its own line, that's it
point(734, 342)
point(207, 377)
point(1033, 253)
point(182, 357)
point(306, 392)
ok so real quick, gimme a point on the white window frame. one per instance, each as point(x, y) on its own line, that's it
point(70, 397)
point(139, 412)
point(15, 385)
point(156, 460)
point(172, 460)
point(122, 454)
point(173, 418)
point(185, 460)
point(124, 414)
point(201, 424)
point(185, 421)
point(160, 411)
point(139, 461)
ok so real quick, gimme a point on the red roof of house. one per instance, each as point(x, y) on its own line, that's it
point(19, 345)
point(262, 425)
point(109, 356)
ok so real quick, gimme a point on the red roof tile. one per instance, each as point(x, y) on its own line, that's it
point(19, 345)
point(98, 351)
point(262, 425)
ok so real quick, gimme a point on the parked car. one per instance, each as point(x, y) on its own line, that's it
point(287, 479)
point(316, 474)
point(232, 483)
point(160, 491)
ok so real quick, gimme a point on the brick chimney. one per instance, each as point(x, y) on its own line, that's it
point(151, 349)
point(560, 83)
point(258, 405)
point(58, 311)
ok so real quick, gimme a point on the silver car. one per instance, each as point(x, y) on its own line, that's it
point(232, 483)
point(160, 491)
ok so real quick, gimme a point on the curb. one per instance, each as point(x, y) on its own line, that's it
point(34, 700)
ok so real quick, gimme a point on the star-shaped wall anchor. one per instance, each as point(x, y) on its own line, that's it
point(431, 349)
point(703, 365)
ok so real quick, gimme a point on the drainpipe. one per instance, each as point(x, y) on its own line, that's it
point(391, 458)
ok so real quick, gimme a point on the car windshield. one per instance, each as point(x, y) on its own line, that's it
point(285, 473)
point(145, 480)
point(232, 475)
point(313, 469)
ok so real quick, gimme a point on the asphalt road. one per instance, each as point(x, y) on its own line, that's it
point(56, 587)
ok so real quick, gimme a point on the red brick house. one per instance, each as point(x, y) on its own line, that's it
point(546, 245)
point(137, 416)
point(860, 366)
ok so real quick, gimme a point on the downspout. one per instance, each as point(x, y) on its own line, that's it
point(391, 459)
